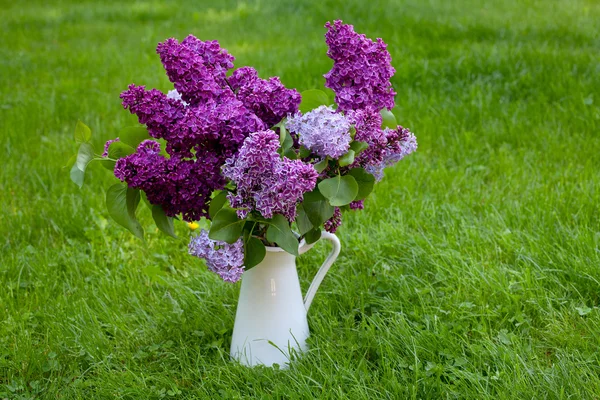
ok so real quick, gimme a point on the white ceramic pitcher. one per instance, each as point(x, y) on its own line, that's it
point(271, 315)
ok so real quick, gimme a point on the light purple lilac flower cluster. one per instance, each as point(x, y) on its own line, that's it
point(361, 71)
point(264, 181)
point(227, 260)
point(323, 131)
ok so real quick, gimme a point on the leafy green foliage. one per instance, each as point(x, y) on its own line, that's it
point(317, 208)
point(163, 222)
point(83, 134)
point(85, 155)
point(121, 203)
point(312, 236)
point(217, 203)
point(279, 232)
point(358, 146)
point(388, 120)
point(339, 190)
point(346, 159)
point(312, 99)
point(116, 150)
point(365, 182)
point(254, 252)
point(226, 226)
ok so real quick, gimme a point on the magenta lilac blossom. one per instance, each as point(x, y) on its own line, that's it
point(268, 99)
point(227, 260)
point(361, 71)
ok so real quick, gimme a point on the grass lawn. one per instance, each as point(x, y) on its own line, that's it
point(473, 272)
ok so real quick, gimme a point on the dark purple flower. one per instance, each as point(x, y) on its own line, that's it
point(361, 71)
point(268, 99)
point(180, 186)
point(333, 223)
point(196, 68)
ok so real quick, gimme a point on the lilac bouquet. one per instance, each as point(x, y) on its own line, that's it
point(263, 164)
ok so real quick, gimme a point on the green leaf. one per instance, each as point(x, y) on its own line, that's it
point(217, 203)
point(317, 208)
point(339, 190)
point(71, 161)
point(134, 135)
point(83, 134)
point(364, 180)
point(122, 202)
point(291, 154)
point(226, 226)
point(312, 99)
point(312, 236)
point(321, 165)
point(285, 139)
point(358, 147)
point(279, 232)
point(85, 154)
point(347, 158)
point(304, 152)
point(254, 252)
point(162, 221)
point(388, 120)
point(302, 220)
point(145, 200)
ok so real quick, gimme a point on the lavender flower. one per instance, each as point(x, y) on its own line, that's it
point(323, 131)
point(268, 99)
point(401, 142)
point(107, 146)
point(265, 182)
point(227, 260)
point(361, 71)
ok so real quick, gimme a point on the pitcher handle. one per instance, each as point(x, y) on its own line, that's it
point(316, 282)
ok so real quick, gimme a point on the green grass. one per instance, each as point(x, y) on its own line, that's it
point(474, 271)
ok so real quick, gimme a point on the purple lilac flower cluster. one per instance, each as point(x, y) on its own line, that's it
point(361, 71)
point(264, 181)
point(268, 99)
point(227, 260)
point(323, 131)
point(203, 121)
point(179, 185)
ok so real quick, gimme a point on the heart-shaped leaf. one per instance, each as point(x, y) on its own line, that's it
point(122, 202)
point(254, 252)
point(83, 134)
point(163, 222)
point(364, 180)
point(226, 226)
point(388, 120)
point(85, 154)
point(279, 232)
point(312, 99)
point(339, 190)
